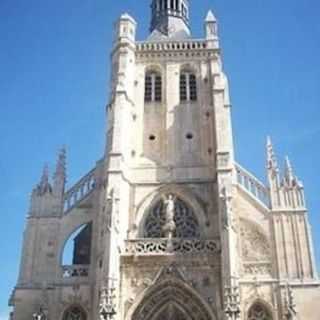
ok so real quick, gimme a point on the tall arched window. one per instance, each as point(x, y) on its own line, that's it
point(153, 87)
point(74, 313)
point(259, 312)
point(188, 87)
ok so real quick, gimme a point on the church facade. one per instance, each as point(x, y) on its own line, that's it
point(170, 225)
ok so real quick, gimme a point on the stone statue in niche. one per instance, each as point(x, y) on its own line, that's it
point(169, 227)
point(225, 197)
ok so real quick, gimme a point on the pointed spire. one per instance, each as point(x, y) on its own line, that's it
point(210, 17)
point(61, 164)
point(271, 157)
point(45, 176)
point(289, 176)
point(44, 185)
point(60, 175)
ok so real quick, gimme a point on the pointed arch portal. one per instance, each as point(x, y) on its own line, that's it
point(172, 300)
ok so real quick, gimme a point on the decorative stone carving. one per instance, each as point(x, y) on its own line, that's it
point(255, 246)
point(257, 268)
point(107, 308)
point(169, 290)
point(223, 160)
point(160, 246)
point(290, 312)
point(232, 303)
point(185, 222)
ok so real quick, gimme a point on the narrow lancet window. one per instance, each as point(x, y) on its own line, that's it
point(188, 87)
point(153, 87)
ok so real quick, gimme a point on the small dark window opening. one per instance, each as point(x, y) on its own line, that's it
point(177, 5)
point(189, 136)
point(183, 87)
point(152, 137)
point(193, 87)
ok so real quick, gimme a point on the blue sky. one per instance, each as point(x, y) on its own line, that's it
point(54, 87)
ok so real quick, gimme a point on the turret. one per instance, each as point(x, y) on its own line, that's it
point(125, 29)
point(123, 56)
point(211, 30)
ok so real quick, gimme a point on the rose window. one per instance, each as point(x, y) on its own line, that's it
point(259, 312)
point(186, 223)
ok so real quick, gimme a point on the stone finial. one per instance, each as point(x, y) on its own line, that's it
point(60, 173)
point(288, 173)
point(272, 163)
point(44, 186)
point(210, 17)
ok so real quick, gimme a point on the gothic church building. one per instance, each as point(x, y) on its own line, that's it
point(170, 225)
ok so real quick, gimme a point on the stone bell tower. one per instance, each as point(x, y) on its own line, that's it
point(169, 172)
point(169, 225)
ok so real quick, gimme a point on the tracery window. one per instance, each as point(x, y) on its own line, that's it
point(74, 313)
point(188, 87)
point(259, 312)
point(153, 87)
point(186, 223)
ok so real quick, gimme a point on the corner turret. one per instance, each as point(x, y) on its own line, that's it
point(211, 30)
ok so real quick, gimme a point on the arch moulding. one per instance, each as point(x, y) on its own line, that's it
point(174, 291)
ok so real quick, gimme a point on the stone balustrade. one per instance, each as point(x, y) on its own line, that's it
point(75, 271)
point(172, 46)
point(79, 191)
point(174, 246)
point(251, 184)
